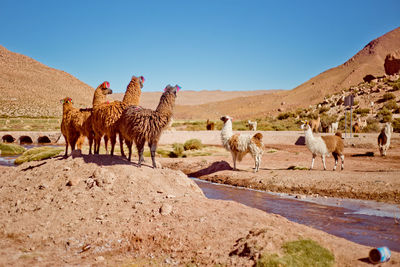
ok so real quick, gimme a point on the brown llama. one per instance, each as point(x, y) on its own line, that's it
point(315, 124)
point(210, 125)
point(99, 97)
point(106, 115)
point(142, 125)
point(71, 124)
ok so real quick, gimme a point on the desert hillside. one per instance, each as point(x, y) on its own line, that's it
point(30, 88)
point(370, 60)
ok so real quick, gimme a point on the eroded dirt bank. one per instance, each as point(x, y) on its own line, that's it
point(106, 211)
point(364, 176)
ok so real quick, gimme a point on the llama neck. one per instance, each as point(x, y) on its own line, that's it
point(308, 133)
point(98, 98)
point(67, 108)
point(132, 94)
point(165, 107)
point(387, 131)
point(226, 131)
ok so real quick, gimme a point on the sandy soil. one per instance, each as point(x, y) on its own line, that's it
point(98, 210)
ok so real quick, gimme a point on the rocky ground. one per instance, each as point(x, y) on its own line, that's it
point(98, 210)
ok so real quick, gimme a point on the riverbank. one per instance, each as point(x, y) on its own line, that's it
point(105, 211)
point(284, 169)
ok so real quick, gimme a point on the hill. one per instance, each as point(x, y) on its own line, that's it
point(30, 88)
point(370, 60)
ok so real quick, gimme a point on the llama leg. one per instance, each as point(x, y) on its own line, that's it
point(106, 143)
point(342, 160)
point(121, 144)
point(312, 161)
point(113, 139)
point(129, 144)
point(335, 155)
point(140, 148)
point(153, 147)
point(66, 146)
point(234, 160)
point(323, 161)
point(90, 144)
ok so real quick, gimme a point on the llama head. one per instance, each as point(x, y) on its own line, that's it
point(305, 125)
point(105, 88)
point(225, 118)
point(66, 101)
point(171, 89)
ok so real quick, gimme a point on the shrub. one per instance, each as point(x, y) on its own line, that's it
point(391, 104)
point(388, 96)
point(299, 253)
point(396, 125)
point(285, 115)
point(192, 144)
point(324, 109)
point(177, 150)
point(385, 115)
point(396, 86)
point(362, 111)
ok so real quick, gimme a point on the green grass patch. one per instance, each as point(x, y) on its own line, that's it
point(388, 96)
point(11, 149)
point(38, 153)
point(299, 253)
point(193, 144)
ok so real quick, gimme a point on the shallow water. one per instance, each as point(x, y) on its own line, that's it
point(365, 222)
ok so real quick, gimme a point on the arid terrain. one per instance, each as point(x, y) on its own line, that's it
point(99, 210)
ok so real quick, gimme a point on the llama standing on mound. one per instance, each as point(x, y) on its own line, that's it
point(241, 144)
point(105, 115)
point(142, 125)
point(210, 125)
point(323, 146)
point(86, 129)
point(384, 138)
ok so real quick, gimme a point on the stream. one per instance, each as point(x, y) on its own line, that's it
point(368, 223)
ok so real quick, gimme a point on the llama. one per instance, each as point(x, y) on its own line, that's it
point(315, 124)
point(356, 128)
point(384, 138)
point(334, 127)
point(71, 124)
point(105, 115)
point(241, 144)
point(210, 125)
point(142, 125)
point(323, 146)
point(86, 128)
point(252, 125)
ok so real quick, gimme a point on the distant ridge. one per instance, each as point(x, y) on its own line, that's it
point(30, 88)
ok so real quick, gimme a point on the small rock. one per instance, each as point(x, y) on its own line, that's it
point(73, 181)
point(99, 258)
point(170, 196)
point(166, 209)
point(66, 168)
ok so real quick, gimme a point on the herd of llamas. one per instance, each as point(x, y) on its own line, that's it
point(135, 124)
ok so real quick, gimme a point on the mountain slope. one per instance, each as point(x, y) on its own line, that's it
point(369, 60)
point(30, 88)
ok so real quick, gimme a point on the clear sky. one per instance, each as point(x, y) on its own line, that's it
point(200, 45)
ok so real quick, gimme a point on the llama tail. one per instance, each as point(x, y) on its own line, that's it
point(258, 136)
point(339, 134)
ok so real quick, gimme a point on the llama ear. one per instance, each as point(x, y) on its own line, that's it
point(106, 85)
point(167, 87)
point(178, 88)
point(142, 79)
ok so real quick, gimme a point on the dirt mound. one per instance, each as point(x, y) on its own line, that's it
point(29, 88)
point(104, 210)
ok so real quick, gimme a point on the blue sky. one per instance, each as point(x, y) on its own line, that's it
point(200, 45)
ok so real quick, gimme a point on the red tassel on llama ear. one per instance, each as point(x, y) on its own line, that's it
point(178, 88)
point(142, 79)
point(106, 85)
